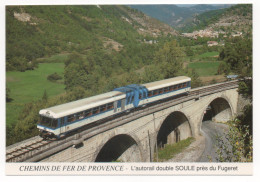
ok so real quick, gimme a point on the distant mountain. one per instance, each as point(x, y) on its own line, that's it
point(176, 15)
point(235, 18)
point(185, 5)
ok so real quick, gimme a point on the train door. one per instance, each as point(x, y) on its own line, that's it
point(123, 105)
point(115, 106)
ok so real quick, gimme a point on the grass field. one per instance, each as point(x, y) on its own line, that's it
point(29, 86)
point(204, 68)
point(209, 54)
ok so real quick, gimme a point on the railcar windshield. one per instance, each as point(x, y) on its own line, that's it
point(48, 122)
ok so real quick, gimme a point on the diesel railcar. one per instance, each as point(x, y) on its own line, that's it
point(59, 120)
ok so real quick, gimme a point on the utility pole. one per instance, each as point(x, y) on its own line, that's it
point(156, 147)
point(150, 149)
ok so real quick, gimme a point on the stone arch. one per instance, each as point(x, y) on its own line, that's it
point(221, 109)
point(175, 127)
point(120, 147)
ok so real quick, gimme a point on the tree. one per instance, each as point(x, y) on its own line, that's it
point(237, 55)
point(45, 96)
point(237, 58)
point(168, 58)
point(236, 145)
point(7, 95)
point(196, 82)
point(223, 68)
point(54, 77)
point(189, 51)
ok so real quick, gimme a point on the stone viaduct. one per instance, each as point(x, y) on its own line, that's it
point(137, 139)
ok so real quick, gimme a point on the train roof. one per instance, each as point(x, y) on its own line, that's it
point(81, 105)
point(166, 83)
point(98, 100)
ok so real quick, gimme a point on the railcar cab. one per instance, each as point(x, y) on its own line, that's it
point(47, 126)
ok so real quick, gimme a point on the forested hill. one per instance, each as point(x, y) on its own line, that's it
point(236, 18)
point(176, 15)
point(33, 32)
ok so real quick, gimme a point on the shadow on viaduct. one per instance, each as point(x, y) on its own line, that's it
point(136, 141)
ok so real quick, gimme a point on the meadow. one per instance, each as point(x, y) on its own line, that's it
point(205, 68)
point(209, 54)
point(29, 86)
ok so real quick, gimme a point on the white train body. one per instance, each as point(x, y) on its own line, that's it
point(59, 120)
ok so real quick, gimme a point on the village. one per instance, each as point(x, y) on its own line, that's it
point(212, 34)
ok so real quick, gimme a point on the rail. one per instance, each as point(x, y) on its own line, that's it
point(39, 149)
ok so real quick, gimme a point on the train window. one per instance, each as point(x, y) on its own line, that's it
point(150, 94)
point(96, 110)
point(71, 118)
point(54, 123)
point(77, 116)
point(155, 92)
point(45, 121)
point(175, 87)
point(80, 115)
point(161, 91)
point(166, 89)
point(140, 96)
point(103, 108)
point(88, 113)
point(185, 84)
point(171, 88)
point(132, 99)
point(180, 85)
point(110, 106)
point(128, 100)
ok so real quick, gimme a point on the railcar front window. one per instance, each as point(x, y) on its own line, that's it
point(45, 121)
point(54, 123)
point(48, 122)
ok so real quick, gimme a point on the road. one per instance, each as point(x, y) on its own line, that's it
point(210, 130)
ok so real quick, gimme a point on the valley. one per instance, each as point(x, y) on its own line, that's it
point(95, 49)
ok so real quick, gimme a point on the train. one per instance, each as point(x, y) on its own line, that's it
point(58, 121)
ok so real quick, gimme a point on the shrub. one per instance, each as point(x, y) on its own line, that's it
point(236, 145)
point(54, 77)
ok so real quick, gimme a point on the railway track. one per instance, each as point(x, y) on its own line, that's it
point(25, 149)
point(38, 146)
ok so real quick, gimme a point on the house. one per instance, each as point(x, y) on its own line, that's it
point(212, 43)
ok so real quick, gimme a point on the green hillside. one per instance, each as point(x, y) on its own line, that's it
point(41, 31)
point(221, 19)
